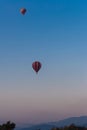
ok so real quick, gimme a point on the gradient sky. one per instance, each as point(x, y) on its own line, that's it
point(55, 33)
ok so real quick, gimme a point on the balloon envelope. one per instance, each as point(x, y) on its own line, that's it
point(36, 66)
point(23, 11)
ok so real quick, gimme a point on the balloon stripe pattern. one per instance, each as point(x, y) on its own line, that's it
point(36, 66)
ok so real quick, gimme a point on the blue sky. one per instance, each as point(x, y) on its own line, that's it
point(53, 32)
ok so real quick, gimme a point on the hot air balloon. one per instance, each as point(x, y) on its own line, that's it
point(36, 66)
point(23, 11)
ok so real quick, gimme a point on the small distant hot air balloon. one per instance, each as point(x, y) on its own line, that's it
point(36, 66)
point(23, 11)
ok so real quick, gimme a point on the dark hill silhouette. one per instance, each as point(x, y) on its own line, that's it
point(78, 121)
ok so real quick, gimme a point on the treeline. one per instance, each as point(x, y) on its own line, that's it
point(7, 126)
point(10, 126)
point(70, 127)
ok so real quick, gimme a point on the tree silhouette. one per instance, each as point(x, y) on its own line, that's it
point(70, 127)
point(7, 126)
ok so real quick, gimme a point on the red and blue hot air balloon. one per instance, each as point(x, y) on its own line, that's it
point(36, 66)
point(23, 11)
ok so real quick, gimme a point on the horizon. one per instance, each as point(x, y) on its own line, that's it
point(22, 124)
